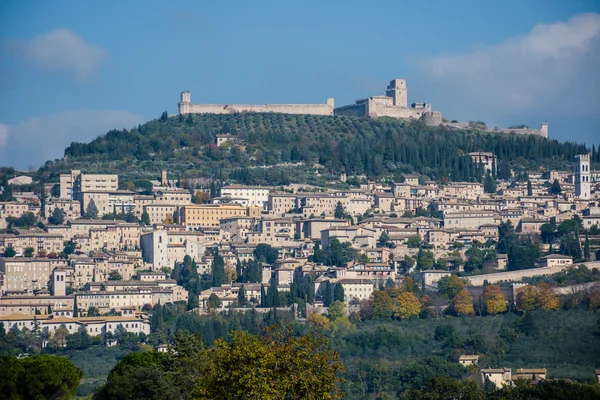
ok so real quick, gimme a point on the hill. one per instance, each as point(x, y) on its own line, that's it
point(281, 148)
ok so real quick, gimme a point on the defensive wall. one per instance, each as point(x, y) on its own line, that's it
point(187, 107)
point(517, 276)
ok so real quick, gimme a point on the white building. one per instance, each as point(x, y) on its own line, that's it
point(255, 195)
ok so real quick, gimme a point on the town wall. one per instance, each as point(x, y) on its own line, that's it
point(515, 276)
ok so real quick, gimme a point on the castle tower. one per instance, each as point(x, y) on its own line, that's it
point(582, 176)
point(185, 105)
point(397, 91)
point(544, 129)
point(59, 286)
point(163, 177)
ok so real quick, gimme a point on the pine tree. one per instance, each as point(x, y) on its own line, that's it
point(91, 212)
point(529, 188)
point(218, 270)
point(242, 297)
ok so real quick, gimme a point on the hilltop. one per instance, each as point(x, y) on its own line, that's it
point(283, 148)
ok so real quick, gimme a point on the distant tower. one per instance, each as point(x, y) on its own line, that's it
point(397, 91)
point(544, 129)
point(59, 286)
point(163, 177)
point(582, 176)
point(185, 105)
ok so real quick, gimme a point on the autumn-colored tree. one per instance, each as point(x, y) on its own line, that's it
point(337, 309)
point(318, 322)
point(169, 219)
point(527, 298)
point(493, 299)
point(406, 305)
point(463, 303)
point(230, 273)
point(546, 298)
point(595, 300)
point(383, 306)
point(450, 286)
point(275, 366)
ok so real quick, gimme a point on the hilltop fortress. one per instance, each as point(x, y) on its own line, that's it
point(394, 104)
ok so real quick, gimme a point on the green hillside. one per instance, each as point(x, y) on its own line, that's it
point(374, 147)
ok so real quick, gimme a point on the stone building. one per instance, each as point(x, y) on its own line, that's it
point(393, 104)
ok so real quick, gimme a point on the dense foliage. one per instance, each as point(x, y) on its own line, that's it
point(374, 147)
point(38, 377)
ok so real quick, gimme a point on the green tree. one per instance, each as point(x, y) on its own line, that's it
point(145, 218)
point(383, 305)
point(489, 185)
point(555, 189)
point(266, 253)
point(450, 286)
point(338, 292)
point(414, 241)
point(340, 211)
point(57, 217)
point(115, 276)
point(425, 259)
point(242, 302)
point(28, 252)
point(218, 271)
point(213, 302)
point(9, 252)
point(91, 212)
point(38, 377)
point(529, 188)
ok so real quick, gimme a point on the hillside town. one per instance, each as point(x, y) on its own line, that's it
point(90, 253)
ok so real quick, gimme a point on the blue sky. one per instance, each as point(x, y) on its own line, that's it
point(69, 71)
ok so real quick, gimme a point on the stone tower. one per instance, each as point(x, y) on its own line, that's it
point(582, 176)
point(59, 286)
point(185, 105)
point(397, 91)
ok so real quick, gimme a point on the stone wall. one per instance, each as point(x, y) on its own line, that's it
point(187, 107)
point(352, 110)
point(516, 276)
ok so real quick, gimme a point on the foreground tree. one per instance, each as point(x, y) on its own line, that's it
point(38, 377)
point(274, 366)
point(493, 299)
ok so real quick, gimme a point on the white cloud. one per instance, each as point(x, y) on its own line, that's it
point(552, 70)
point(60, 50)
point(43, 138)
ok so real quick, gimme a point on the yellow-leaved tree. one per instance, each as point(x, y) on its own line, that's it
point(546, 298)
point(527, 298)
point(277, 365)
point(463, 303)
point(406, 305)
point(493, 299)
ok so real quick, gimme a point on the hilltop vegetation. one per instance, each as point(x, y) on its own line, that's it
point(373, 147)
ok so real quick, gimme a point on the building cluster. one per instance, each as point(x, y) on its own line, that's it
point(62, 271)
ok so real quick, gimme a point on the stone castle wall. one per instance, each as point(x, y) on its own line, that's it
point(187, 107)
point(516, 276)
